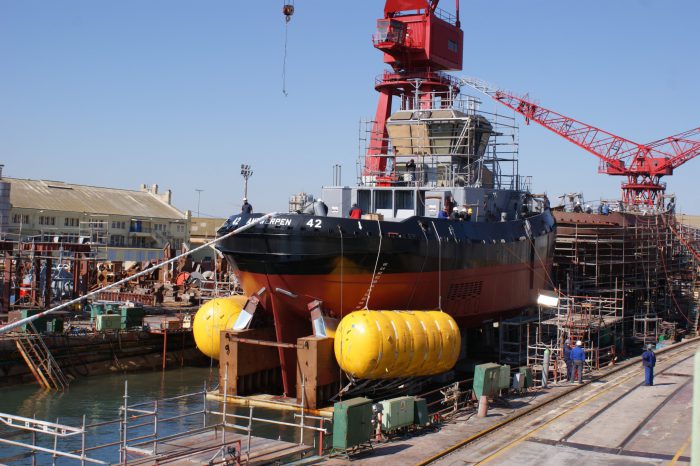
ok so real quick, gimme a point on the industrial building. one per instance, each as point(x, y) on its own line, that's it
point(121, 224)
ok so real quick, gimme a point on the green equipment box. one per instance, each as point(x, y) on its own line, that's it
point(504, 377)
point(132, 316)
point(54, 326)
point(420, 412)
point(397, 413)
point(352, 423)
point(486, 379)
point(107, 322)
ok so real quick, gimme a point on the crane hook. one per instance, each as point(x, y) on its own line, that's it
point(288, 11)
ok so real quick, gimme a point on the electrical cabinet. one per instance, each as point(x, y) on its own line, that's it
point(504, 377)
point(420, 412)
point(397, 412)
point(352, 423)
point(486, 379)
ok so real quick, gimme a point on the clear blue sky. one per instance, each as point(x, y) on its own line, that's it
point(180, 93)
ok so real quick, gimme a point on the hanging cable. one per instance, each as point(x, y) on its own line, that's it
point(376, 263)
point(288, 11)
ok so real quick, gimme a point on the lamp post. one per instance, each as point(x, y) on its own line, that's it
point(247, 173)
point(199, 196)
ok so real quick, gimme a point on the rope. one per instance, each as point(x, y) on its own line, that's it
point(376, 263)
point(284, 60)
point(21, 322)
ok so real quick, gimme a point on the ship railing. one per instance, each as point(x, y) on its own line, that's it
point(137, 433)
point(440, 13)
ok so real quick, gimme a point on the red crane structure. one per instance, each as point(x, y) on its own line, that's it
point(419, 41)
point(642, 164)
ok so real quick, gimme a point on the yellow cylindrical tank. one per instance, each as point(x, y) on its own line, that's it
point(213, 317)
point(390, 344)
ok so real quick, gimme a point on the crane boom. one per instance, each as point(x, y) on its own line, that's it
point(643, 164)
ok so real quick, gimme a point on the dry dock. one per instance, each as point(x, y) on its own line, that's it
point(611, 419)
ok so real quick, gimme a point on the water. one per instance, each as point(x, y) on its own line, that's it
point(99, 399)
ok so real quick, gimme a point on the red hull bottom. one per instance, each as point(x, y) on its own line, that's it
point(471, 296)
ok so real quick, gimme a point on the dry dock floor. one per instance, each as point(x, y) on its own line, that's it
point(611, 420)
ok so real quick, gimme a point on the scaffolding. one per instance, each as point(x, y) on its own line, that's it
point(513, 335)
point(596, 321)
point(451, 140)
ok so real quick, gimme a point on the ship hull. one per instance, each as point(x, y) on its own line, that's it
point(474, 271)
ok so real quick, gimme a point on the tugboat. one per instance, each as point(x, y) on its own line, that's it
point(433, 156)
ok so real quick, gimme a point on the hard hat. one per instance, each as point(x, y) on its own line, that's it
point(464, 209)
point(578, 343)
point(319, 200)
point(567, 341)
point(469, 210)
point(650, 346)
point(245, 198)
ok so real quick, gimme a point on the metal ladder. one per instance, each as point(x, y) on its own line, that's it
point(39, 359)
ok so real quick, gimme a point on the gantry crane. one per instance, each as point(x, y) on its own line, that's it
point(642, 164)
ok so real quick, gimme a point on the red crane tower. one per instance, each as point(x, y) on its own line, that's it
point(419, 41)
point(642, 164)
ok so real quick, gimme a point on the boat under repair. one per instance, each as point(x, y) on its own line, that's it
point(436, 155)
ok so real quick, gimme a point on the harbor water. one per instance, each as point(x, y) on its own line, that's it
point(100, 398)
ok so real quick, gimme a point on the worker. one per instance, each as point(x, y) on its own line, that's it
point(589, 209)
point(246, 208)
point(546, 202)
point(468, 216)
point(577, 208)
point(605, 209)
point(578, 356)
point(649, 361)
point(567, 360)
point(355, 212)
point(411, 169)
point(444, 213)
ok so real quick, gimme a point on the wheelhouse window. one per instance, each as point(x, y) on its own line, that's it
point(382, 200)
point(404, 200)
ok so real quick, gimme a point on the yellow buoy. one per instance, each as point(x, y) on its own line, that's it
point(389, 344)
point(213, 317)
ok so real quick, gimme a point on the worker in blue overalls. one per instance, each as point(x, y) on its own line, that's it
point(578, 356)
point(649, 361)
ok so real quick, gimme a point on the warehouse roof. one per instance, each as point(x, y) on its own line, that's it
point(690, 220)
point(60, 196)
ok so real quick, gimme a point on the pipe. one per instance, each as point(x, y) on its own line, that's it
point(26, 320)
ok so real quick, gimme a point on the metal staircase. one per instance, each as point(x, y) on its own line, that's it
point(40, 360)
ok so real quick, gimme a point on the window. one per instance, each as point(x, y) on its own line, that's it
point(452, 46)
point(43, 220)
point(71, 222)
point(382, 200)
point(404, 200)
point(363, 200)
point(116, 240)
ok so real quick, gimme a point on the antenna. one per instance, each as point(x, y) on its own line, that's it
point(247, 173)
